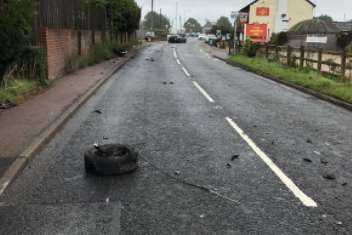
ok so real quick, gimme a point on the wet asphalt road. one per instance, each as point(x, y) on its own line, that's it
point(187, 182)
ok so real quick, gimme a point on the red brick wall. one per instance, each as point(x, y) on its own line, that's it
point(62, 44)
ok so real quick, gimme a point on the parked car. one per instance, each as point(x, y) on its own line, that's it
point(201, 37)
point(210, 37)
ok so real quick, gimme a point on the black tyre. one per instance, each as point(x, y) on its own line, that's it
point(111, 160)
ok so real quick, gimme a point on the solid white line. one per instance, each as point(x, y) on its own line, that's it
point(307, 201)
point(186, 72)
point(203, 92)
point(178, 61)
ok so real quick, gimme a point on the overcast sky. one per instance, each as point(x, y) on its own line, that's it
point(212, 9)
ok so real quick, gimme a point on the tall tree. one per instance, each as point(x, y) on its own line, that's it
point(325, 18)
point(223, 24)
point(158, 21)
point(125, 15)
point(192, 25)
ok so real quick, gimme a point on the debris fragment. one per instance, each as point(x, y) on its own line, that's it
point(309, 141)
point(339, 222)
point(317, 153)
point(235, 157)
point(165, 83)
point(273, 142)
point(177, 172)
point(98, 111)
point(202, 216)
point(255, 126)
point(344, 184)
point(323, 161)
point(171, 83)
point(107, 200)
point(307, 160)
point(329, 176)
point(228, 165)
point(105, 138)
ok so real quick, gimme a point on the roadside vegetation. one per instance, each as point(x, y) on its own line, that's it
point(331, 86)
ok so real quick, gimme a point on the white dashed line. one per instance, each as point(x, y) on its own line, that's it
point(3, 187)
point(178, 61)
point(175, 54)
point(307, 201)
point(186, 72)
point(203, 92)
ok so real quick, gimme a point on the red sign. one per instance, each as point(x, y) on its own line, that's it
point(257, 32)
point(263, 11)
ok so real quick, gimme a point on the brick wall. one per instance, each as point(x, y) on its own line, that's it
point(62, 44)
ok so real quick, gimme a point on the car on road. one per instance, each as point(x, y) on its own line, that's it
point(177, 38)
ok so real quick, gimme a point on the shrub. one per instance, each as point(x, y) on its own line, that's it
point(249, 49)
point(279, 39)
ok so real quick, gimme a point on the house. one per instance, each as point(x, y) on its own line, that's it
point(265, 17)
point(317, 34)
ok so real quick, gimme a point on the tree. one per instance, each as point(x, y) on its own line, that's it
point(223, 24)
point(192, 25)
point(125, 14)
point(325, 18)
point(155, 21)
point(15, 31)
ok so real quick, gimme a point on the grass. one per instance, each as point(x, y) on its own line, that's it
point(97, 54)
point(304, 78)
point(15, 90)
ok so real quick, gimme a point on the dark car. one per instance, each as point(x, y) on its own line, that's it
point(177, 39)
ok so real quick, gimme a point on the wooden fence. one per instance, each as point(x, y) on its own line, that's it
point(326, 62)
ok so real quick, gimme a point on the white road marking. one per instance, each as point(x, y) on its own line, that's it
point(186, 72)
point(178, 61)
point(203, 92)
point(175, 54)
point(3, 187)
point(307, 201)
point(215, 59)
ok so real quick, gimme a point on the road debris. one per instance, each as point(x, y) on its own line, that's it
point(110, 159)
point(228, 165)
point(234, 157)
point(309, 141)
point(329, 176)
point(171, 83)
point(307, 160)
point(317, 153)
point(323, 161)
point(344, 184)
point(202, 216)
point(165, 83)
point(98, 111)
point(177, 172)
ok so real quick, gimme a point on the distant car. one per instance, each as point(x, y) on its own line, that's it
point(201, 37)
point(149, 36)
point(177, 38)
point(210, 37)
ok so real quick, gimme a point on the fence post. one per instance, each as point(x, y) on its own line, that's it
point(267, 51)
point(320, 56)
point(288, 54)
point(343, 64)
point(301, 58)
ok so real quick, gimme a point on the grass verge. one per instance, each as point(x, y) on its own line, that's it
point(15, 90)
point(303, 78)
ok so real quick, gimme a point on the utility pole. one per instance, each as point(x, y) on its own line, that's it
point(152, 26)
point(176, 20)
point(160, 20)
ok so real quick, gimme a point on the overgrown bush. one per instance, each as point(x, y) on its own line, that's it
point(15, 32)
point(279, 39)
point(250, 48)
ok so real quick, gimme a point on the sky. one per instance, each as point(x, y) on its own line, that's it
point(212, 10)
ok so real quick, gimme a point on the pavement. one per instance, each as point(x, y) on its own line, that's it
point(22, 124)
point(222, 151)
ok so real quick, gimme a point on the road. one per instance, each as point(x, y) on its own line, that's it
point(223, 151)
